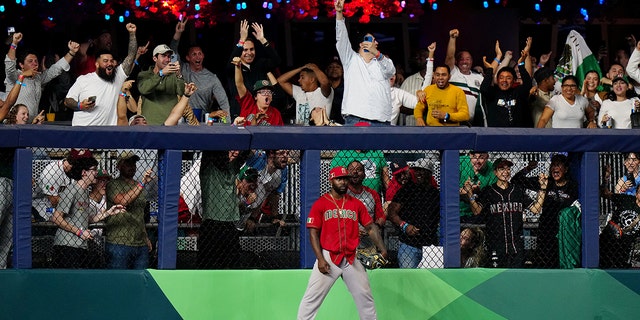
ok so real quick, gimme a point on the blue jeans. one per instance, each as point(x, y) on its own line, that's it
point(409, 257)
point(120, 256)
point(351, 120)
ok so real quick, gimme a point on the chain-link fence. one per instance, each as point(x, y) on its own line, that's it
point(231, 216)
point(524, 206)
point(6, 205)
point(404, 184)
point(620, 211)
point(76, 213)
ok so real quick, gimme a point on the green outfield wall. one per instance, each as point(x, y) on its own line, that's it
point(264, 295)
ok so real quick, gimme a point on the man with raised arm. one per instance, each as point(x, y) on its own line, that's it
point(461, 64)
point(210, 89)
point(32, 84)
point(253, 67)
point(94, 96)
point(314, 91)
point(367, 94)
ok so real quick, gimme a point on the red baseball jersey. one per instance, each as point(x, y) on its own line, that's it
point(338, 222)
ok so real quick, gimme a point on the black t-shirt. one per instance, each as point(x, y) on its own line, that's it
point(420, 207)
point(626, 213)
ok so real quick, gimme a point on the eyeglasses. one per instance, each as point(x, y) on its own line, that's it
point(572, 86)
point(265, 92)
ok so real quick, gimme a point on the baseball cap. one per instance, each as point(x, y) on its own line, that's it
point(338, 172)
point(542, 73)
point(80, 153)
point(502, 162)
point(134, 117)
point(616, 79)
point(398, 166)
point(163, 48)
point(423, 163)
point(127, 155)
point(248, 173)
point(262, 84)
point(103, 174)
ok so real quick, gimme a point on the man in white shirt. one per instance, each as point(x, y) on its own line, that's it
point(94, 96)
point(313, 92)
point(367, 95)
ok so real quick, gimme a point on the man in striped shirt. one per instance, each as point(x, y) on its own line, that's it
point(462, 76)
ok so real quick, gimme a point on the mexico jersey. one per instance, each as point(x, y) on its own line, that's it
point(338, 222)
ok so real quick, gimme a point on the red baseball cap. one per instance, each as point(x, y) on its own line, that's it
point(80, 153)
point(338, 172)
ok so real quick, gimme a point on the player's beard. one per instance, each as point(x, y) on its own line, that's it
point(102, 73)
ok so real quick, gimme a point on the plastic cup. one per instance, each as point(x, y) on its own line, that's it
point(51, 117)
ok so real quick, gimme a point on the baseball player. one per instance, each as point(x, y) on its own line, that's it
point(333, 231)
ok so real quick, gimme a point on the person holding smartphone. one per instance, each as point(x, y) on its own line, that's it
point(94, 96)
point(367, 94)
point(160, 86)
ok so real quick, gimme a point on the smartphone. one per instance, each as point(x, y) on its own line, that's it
point(11, 31)
point(92, 99)
point(368, 39)
point(174, 58)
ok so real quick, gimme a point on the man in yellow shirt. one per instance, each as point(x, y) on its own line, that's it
point(446, 104)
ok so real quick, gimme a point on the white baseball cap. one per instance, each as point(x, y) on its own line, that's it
point(161, 49)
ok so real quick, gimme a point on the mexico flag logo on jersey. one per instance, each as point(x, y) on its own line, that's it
point(309, 220)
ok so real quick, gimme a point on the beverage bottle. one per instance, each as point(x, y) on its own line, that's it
point(49, 213)
point(494, 259)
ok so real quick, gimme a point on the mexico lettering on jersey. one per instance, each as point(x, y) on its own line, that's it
point(338, 222)
point(504, 209)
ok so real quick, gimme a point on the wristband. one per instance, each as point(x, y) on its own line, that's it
point(446, 117)
point(187, 95)
point(71, 54)
point(79, 105)
point(21, 78)
point(266, 44)
point(496, 60)
point(404, 227)
point(521, 63)
point(14, 46)
point(122, 94)
point(18, 82)
point(378, 55)
point(429, 59)
point(545, 189)
point(540, 66)
point(473, 197)
point(240, 44)
point(160, 73)
point(136, 62)
point(141, 185)
point(79, 233)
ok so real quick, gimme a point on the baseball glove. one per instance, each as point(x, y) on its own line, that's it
point(371, 260)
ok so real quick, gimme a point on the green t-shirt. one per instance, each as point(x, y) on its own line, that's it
point(217, 182)
point(372, 160)
point(485, 177)
point(126, 228)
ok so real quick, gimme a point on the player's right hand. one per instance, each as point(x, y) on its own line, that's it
point(323, 266)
